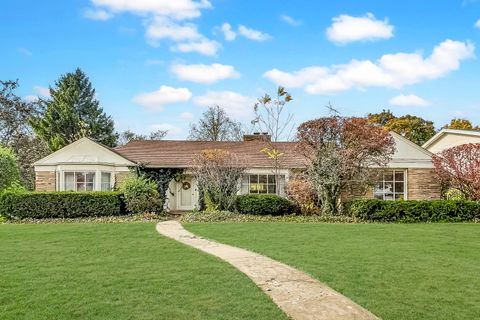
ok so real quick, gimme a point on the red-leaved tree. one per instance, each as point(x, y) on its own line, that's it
point(343, 153)
point(459, 168)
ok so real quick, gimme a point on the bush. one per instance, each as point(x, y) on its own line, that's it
point(301, 192)
point(9, 170)
point(263, 204)
point(40, 205)
point(141, 195)
point(415, 211)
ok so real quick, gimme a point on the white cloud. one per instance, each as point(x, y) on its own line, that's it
point(156, 100)
point(25, 51)
point(173, 131)
point(298, 78)
point(346, 29)
point(163, 20)
point(154, 62)
point(206, 47)
point(178, 9)
point(410, 100)
point(203, 73)
point(252, 34)
point(291, 21)
point(163, 28)
point(186, 116)
point(234, 104)
point(31, 98)
point(42, 91)
point(97, 14)
point(477, 24)
point(391, 70)
point(227, 32)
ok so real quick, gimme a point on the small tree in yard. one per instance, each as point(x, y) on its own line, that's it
point(218, 173)
point(9, 170)
point(459, 168)
point(271, 117)
point(341, 153)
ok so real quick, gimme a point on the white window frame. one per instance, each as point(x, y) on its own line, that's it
point(110, 183)
point(405, 185)
point(267, 184)
point(75, 172)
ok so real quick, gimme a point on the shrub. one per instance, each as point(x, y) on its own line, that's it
point(415, 211)
point(141, 195)
point(40, 205)
point(301, 192)
point(263, 204)
point(454, 194)
point(9, 170)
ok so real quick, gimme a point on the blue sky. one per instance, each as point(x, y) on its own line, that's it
point(159, 63)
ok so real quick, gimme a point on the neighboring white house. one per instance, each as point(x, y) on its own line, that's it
point(88, 166)
point(447, 138)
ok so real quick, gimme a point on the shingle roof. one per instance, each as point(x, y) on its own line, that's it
point(179, 154)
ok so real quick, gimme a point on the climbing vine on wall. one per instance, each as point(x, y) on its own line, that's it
point(161, 176)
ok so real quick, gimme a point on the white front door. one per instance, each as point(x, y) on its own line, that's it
point(185, 194)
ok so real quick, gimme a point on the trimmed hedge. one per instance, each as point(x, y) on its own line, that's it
point(415, 211)
point(40, 205)
point(263, 204)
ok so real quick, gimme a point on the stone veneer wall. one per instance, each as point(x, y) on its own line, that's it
point(45, 181)
point(423, 185)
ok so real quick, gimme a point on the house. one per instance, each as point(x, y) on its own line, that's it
point(88, 166)
point(448, 138)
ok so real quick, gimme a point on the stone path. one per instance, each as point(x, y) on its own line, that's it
point(296, 293)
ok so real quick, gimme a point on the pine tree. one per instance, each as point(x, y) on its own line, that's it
point(73, 112)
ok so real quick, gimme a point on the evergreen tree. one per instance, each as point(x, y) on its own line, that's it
point(72, 112)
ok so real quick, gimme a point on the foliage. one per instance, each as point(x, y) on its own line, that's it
point(415, 211)
point(73, 112)
point(341, 153)
point(413, 128)
point(128, 135)
point(227, 216)
point(459, 167)
point(460, 123)
point(41, 205)
point(143, 217)
point(9, 170)
point(141, 195)
point(302, 193)
point(216, 125)
point(16, 133)
point(263, 204)
point(381, 118)
point(161, 177)
point(218, 173)
point(454, 194)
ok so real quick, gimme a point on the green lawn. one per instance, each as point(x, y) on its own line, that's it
point(398, 271)
point(118, 271)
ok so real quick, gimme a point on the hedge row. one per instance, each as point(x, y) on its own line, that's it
point(263, 204)
point(40, 205)
point(415, 211)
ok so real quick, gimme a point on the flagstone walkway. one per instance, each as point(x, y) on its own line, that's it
point(296, 293)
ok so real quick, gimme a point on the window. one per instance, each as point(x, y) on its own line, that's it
point(79, 181)
point(390, 186)
point(263, 183)
point(106, 185)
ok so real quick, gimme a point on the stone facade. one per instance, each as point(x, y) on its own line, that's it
point(45, 181)
point(423, 185)
point(120, 177)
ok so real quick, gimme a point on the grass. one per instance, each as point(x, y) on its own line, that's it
point(398, 271)
point(118, 271)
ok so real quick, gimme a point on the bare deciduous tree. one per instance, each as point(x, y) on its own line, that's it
point(271, 118)
point(128, 135)
point(218, 173)
point(215, 125)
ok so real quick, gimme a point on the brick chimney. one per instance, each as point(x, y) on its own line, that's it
point(258, 136)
